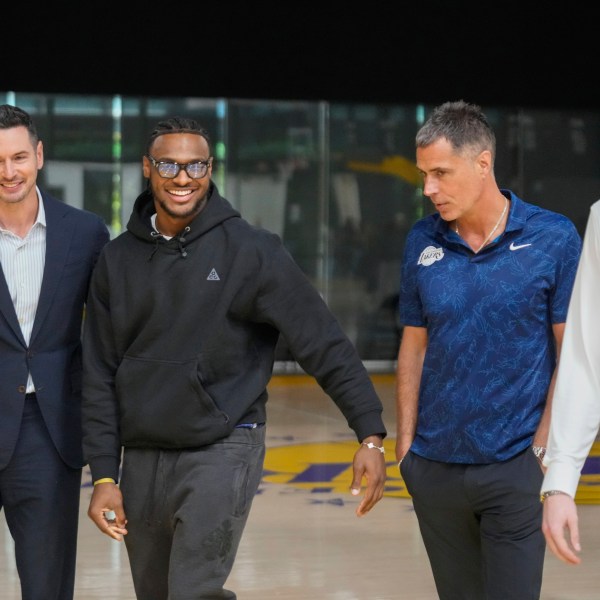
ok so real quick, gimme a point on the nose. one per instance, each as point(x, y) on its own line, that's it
point(430, 187)
point(182, 177)
point(7, 169)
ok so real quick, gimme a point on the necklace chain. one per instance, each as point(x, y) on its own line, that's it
point(491, 233)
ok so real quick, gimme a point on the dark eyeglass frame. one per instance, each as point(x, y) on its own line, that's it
point(157, 164)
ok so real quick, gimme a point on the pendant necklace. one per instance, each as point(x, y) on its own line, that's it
point(491, 233)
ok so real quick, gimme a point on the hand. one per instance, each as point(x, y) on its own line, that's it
point(370, 464)
point(561, 528)
point(107, 497)
point(539, 452)
point(402, 448)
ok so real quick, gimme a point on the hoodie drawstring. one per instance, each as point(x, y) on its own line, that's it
point(159, 238)
point(156, 237)
point(181, 240)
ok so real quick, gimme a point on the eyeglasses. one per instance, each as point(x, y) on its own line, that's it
point(170, 170)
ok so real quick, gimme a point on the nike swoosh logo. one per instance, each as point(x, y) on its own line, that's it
point(513, 246)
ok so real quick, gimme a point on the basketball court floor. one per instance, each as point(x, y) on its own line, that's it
point(303, 540)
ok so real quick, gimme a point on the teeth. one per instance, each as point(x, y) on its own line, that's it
point(180, 192)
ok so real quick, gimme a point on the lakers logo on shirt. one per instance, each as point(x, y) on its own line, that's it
point(430, 255)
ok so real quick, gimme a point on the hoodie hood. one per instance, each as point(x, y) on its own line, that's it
point(216, 211)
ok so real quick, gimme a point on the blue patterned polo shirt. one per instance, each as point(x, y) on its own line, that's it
point(490, 351)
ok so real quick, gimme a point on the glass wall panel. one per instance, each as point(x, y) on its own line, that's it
point(276, 171)
point(338, 182)
point(558, 153)
point(375, 199)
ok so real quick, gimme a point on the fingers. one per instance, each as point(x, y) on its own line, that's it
point(370, 465)
point(107, 522)
point(373, 494)
point(575, 543)
point(116, 533)
point(559, 546)
point(106, 511)
point(368, 502)
point(561, 528)
point(112, 526)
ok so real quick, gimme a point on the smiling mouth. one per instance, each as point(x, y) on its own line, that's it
point(180, 192)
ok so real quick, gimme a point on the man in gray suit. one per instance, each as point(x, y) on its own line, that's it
point(47, 252)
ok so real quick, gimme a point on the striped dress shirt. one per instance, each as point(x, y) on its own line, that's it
point(23, 262)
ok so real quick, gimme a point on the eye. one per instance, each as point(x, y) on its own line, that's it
point(168, 169)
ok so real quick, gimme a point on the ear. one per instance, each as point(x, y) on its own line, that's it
point(146, 167)
point(39, 154)
point(484, 162)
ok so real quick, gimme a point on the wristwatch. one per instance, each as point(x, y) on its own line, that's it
point(552, 493)
point(539, 452)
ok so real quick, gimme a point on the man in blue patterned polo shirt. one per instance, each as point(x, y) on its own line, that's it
point(485, 288)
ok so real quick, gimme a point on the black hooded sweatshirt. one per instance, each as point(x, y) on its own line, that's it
point(180, 335)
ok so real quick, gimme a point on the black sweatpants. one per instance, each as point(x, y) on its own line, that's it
point(186, 512)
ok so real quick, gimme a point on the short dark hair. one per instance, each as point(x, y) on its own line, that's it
point(13, 116)
point(178, 125)
point(464, 125)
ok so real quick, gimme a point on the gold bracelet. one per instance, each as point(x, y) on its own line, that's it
point(372, 445)
point(104, 480)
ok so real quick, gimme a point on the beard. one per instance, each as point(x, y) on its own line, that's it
point(15, 199)
point(185, 213)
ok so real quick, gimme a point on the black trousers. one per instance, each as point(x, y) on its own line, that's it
point(481, 526)
point(40, 496)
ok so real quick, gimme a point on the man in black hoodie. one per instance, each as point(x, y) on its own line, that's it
point(184, 313)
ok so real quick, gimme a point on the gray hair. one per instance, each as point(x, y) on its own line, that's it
point(464, 125)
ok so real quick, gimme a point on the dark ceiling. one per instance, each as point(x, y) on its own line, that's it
point(488, 53)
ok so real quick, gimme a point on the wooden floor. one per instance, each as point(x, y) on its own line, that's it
point(303, 540)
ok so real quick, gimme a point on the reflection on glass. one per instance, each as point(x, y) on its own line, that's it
point(336, 181)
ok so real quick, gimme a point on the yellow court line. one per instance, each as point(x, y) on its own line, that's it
point(588, 491)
